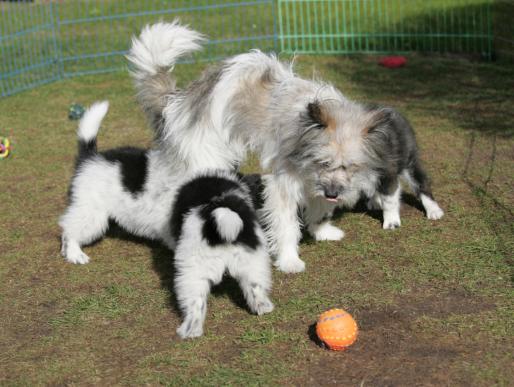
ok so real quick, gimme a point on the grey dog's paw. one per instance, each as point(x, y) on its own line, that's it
point(435, 213)
point(290, 265)
point(327, 232)
point(391, 221)
point(189, 331)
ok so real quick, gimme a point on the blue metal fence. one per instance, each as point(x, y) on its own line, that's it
point(45, 40)
point(95, 34)
point(29, 55)
point(383, 26)
point(42, 41)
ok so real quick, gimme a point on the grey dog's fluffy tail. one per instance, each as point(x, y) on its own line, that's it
point(152, 55)
point(88, 129)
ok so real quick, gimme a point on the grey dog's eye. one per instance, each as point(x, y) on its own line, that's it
point(326, 164)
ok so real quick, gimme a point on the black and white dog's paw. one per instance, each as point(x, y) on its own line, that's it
point(264, 306)
point(290, 264)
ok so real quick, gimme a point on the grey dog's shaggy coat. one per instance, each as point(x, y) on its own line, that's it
point(311, 138)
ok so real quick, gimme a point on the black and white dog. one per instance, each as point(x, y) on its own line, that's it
point(217, 230)
point(208, 218)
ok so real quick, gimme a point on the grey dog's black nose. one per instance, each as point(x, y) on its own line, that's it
point(331, 193)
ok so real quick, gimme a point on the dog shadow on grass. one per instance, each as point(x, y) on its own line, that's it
point(162, 263)
point(361, 208)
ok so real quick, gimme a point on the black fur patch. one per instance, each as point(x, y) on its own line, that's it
point(315, 114)
point(421, 178)
point(134, 164)
point(196, 193)
point(86, 149)
point(246, 237)
point(256, 186)
point(208, 191)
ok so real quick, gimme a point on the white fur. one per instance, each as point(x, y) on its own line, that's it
point(282, 227)
point(160, 45)
point(391, 209)
point(326, 232)
point(199, 266)
point(91, 120)
point(316, 213)
point(432, 209)
point(228, 223)
point(97, 195)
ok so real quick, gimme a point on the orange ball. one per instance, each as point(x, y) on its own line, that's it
point(337, 329)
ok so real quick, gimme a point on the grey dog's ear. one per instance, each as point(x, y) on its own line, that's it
point(380, 116)
point(315, 117)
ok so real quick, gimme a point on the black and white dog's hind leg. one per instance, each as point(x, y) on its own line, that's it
point(215, 235)
point(86, 218)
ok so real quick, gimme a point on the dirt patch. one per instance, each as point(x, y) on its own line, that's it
point(392, 351)
point(457, 302)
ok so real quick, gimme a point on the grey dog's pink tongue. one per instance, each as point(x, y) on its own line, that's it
point(332, 200)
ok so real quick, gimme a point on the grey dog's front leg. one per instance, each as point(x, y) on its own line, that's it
point(282, 195)
point(317, 214)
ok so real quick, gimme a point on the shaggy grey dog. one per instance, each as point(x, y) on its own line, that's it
point(309, 137)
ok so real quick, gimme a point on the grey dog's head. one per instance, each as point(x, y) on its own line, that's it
point(333, 148)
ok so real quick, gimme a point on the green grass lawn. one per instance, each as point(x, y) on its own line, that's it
point(434, 300)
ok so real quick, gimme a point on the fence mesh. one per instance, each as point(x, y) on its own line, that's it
point(382, 26)
point(94, 35)
point(45, 40)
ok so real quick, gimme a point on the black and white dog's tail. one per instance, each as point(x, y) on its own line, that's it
point(227, 223)
point(88, 129)
point(152, 55)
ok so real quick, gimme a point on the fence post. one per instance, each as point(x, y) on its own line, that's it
point(274, 3)
point(490, 36)
point(56, 29)
point(281, 22)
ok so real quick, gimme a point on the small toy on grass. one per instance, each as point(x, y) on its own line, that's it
point(5, 147)
point(76, 111)
point(393, 62)
point(337, 329)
